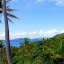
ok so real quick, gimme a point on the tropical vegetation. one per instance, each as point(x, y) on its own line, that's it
point(49, 51)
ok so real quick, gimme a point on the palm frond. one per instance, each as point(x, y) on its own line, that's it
point(0, 3)
point(12, 16)
point(10, 20)
point(7, 6)
point(8, 1)
point(0, 15)
point(10, 10)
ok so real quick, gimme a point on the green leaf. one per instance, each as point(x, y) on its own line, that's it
point(10, 10)
point(11, 15)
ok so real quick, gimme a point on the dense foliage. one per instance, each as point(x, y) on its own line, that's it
point(50, 51)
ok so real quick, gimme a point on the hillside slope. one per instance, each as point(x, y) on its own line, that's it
point(50, 51)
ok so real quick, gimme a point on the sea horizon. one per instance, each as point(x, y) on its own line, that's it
point(16, 42)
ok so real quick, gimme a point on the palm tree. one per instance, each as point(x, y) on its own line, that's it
point(9, 57)
point(26, 40)
point(6, 15)
point(26, 46)
point(7, 10)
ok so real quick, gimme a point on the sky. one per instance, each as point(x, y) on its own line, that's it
point(38, 19)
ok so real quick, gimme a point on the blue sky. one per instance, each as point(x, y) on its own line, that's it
point(38, 18)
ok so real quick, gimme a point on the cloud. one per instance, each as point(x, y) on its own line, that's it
point(34, 34)
point(57, 2)
point(60, 3)
point(29, 3)
point(2, 34)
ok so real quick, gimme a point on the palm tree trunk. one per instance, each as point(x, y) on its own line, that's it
point(9, 57)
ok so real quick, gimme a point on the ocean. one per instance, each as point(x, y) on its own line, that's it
point(16, 42)
point(13, 43)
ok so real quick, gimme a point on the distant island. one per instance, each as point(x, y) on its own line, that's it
point(21, 39)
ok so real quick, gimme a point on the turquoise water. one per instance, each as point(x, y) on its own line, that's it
point(15, 43)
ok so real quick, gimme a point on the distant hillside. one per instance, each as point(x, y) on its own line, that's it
point(32, 40)
point(37, 39)
point(21, 39)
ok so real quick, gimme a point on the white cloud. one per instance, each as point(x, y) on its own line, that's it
point(57, 2)
point(18, 34)
point(2, 34)
point(51, 31)
point(35, 34)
